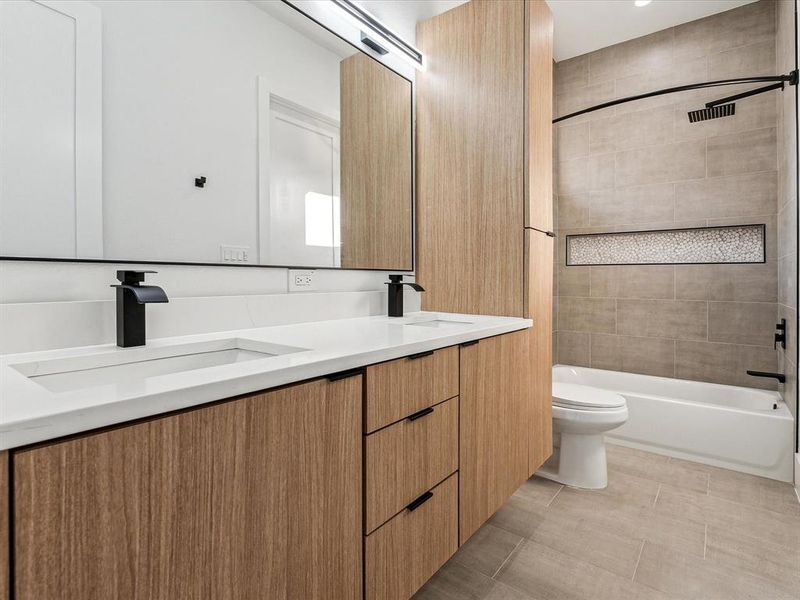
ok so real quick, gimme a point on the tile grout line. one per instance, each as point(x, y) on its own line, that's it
point(510, 554)
point(638, 560)
point(554, 497)
point(705, 540)
point(658, 492)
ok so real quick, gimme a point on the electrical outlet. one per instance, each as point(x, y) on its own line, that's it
point(301, 281)
point(236, 254)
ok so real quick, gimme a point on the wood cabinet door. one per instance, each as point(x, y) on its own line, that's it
point(4, 549)
point(539, 107)
point(539, 250)
point(407, 459)
point(405, 552)
point(470, 158)
point(398, 388)
point(255, 498)
point(494, 425)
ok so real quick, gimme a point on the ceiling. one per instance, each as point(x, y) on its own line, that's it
point(581, 26)
point(401, 16)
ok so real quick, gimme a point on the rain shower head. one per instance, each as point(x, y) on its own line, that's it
point(725, 107)
point(712, 112)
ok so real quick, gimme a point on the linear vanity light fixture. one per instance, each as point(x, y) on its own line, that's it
point(365, 19)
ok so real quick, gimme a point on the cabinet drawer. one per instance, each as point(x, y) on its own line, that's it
point(403, 554)
point(408, 458)
point(398, 388)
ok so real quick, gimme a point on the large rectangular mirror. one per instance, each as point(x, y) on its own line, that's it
point(234, 132)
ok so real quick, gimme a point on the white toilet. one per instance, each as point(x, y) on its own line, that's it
point(581, 415)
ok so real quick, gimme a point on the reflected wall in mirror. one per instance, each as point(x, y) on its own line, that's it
point(113, 111)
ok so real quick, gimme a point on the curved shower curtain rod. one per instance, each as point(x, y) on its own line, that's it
point(777, 81)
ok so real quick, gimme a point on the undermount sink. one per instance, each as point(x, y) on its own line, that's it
point(136, 364)
point(440, 323)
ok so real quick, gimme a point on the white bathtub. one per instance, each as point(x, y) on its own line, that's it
point(737, 428)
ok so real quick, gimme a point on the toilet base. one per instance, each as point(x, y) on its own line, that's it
point(579, 461)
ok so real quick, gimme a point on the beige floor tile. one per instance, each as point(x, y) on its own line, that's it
point(521, 513)
point(638, 522)
point(487, 549)
point(736, 518)
point(547, 574)
point(754, 491)
point(656, 467)
point(501, 591)
point(624, 491)
point(518, 516)
point(601, 546)
point(538, 490)
point(687, 577)
point(455, 582)
point(677, 534)
point(641, 538)
point(757, 557)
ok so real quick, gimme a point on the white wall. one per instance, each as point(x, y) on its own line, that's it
point(51, 305)
point(180, 101)
point(57, 305)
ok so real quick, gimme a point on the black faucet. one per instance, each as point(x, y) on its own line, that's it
point(779, 376)
point(396, 284)
point(131, 298)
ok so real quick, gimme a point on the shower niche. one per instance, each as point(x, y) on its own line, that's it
point(730, 244)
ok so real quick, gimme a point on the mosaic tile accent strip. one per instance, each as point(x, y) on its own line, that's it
point(701, 245)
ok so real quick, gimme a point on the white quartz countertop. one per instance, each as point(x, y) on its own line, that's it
point(30, 412)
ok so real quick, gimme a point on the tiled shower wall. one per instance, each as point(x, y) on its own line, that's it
point(642, 166)
point(787, 203)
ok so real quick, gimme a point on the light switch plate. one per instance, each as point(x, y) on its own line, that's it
point(235, 254)
point(302, 281)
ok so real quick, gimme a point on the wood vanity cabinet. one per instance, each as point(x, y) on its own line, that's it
point(495, 432)
point(485, 177)
point(539, 284)
point(5, 570)
point(411, 480)
point(344, 488)
point(258, 497)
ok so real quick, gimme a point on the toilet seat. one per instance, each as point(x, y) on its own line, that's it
point(581, 397)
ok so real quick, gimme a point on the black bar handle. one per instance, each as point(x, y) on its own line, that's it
point(420, 414)
point(470, 343)
point(345, 374)
point(420, 355)
point(419, 501)
point(779, 376)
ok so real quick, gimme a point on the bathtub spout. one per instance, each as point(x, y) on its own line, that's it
point(779, 376)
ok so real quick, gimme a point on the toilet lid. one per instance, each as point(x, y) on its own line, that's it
point(576, 395)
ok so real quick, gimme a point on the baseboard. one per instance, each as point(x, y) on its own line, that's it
point(797, 475)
